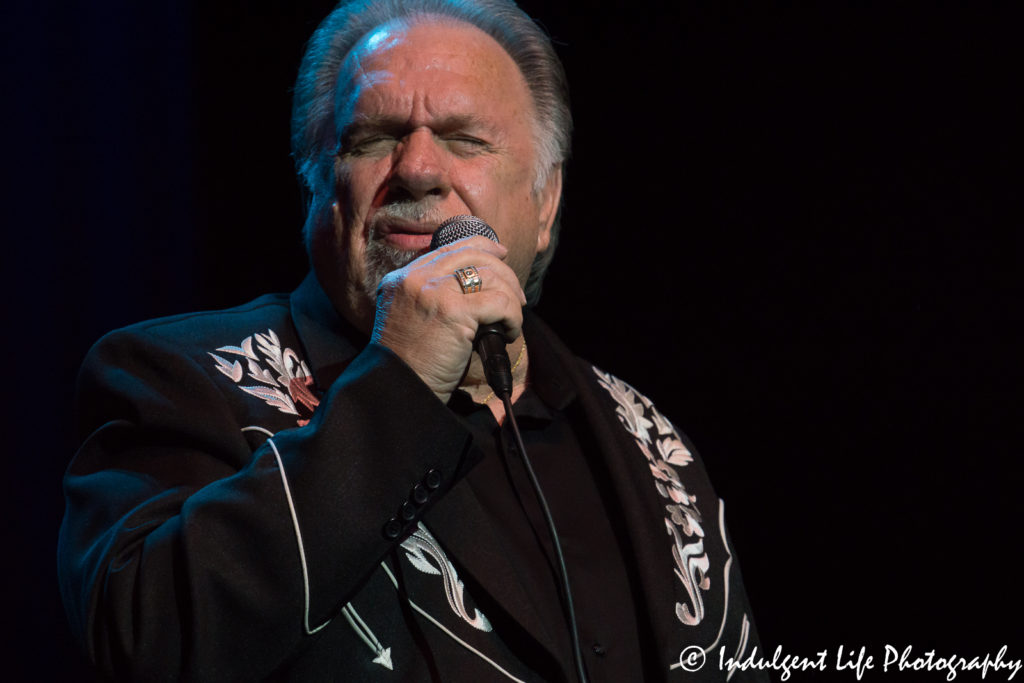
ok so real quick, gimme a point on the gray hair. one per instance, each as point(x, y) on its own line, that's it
point(314, 130)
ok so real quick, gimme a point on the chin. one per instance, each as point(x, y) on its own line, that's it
point(382, 258)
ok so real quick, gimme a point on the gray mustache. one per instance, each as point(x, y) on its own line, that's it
point(419, 211)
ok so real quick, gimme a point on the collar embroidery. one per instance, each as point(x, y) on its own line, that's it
point(286, 385)
point(683, 520)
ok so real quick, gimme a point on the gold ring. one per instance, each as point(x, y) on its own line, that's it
point(469, 279)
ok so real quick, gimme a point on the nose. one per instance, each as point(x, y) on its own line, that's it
point(421, 166)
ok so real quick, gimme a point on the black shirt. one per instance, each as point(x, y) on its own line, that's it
point(584, 513)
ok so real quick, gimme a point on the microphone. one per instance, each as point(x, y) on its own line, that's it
point(490, 339)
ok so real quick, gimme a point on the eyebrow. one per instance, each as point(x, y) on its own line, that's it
point(362, 124)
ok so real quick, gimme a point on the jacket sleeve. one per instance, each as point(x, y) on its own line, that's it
point(187, 555)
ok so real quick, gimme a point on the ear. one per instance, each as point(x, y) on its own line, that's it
point(548, 200)
point(322, 229)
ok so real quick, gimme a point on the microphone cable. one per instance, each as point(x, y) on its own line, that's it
point(490, 345)
point(577, 654)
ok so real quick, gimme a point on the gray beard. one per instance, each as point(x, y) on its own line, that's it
point(382, 258)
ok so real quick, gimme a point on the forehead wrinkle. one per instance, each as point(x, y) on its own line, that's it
point(383, 69)
point(357, 78)
point(374, 102)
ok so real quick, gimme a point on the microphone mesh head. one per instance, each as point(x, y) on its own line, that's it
point(458, 227)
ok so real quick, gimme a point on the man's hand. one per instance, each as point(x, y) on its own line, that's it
point(424, 317)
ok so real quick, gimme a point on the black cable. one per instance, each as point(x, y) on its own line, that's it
point(564, 575)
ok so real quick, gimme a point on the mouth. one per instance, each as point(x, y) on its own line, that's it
point(406, 235)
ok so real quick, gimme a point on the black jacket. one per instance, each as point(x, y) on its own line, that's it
point(260, 494)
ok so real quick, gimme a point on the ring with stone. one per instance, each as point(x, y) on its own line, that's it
point(469, 279)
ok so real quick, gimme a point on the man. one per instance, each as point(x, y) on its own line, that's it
point(322, 487)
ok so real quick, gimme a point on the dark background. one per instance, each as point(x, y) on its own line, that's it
point(790, 227)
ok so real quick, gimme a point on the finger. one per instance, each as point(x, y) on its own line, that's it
point(496, 307)
point(493, 272)
point(489, 279)
point(500, 276)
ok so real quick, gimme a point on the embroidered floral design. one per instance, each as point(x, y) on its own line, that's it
point(424, 553)
point(289, 390)
point(682, 521)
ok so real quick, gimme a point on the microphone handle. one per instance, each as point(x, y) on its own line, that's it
point(490, 344)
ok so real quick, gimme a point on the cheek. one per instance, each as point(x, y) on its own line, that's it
point(476, 193)
point(357, 187)
point(500, 191)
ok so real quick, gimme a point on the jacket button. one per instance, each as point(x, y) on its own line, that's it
point(392, 529)
point(432, 480)
point(407, 512)
point(420, 494)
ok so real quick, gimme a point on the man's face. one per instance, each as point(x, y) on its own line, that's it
point(434, 120)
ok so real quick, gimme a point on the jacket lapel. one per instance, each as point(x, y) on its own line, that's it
point(644, 514)
point(643, 511)
point(461, 525)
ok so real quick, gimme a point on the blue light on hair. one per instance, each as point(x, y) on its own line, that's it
point(377, 38)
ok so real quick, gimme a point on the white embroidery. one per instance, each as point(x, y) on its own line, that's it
point(683, 521)
point(447, 631)
point(419, 547)
point(742, 646)
point(366, 635)
point(288, 390)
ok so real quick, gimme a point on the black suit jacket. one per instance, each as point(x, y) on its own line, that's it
point(261, 494)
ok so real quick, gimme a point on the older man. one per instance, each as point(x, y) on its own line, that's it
point(322, 486)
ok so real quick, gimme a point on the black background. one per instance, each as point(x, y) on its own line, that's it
point(790, 227)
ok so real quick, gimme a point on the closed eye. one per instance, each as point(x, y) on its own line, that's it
point(465, 145)
point(374, 145)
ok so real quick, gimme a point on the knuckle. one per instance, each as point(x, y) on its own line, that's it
point(447, 306)
point(414, 283)
point(497, 299)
